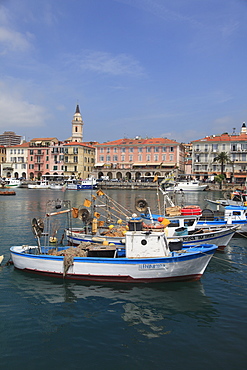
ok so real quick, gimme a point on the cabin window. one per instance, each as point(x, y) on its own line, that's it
point(174, 223)
point(188, 222)
point(236, 213)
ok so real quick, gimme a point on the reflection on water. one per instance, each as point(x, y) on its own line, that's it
point(148, 308)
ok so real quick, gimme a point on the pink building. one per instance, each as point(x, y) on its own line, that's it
point(39, 156)
point(138, 158)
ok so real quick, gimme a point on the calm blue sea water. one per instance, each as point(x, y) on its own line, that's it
point(50, 324)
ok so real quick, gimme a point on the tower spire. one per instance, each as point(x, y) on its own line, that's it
point(77, 126)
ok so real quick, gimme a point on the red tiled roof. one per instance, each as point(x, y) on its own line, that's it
point(23, 145)
point(148, 141)
point(223, 137)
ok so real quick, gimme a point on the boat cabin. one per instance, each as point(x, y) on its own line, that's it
point(235, 213)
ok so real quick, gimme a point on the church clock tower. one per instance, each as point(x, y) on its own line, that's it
point(77, 126)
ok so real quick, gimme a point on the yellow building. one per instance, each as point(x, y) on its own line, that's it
point(2, 158)
point(79, 159)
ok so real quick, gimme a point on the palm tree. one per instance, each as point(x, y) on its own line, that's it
point(222, 158)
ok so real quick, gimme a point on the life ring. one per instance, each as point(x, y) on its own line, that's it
point(153, 226)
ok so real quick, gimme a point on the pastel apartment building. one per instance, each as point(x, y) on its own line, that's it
point(138, 158)
point(205, 150)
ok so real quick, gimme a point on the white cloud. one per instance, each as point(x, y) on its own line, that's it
point(13, 40)
point(16, 111)
point(103, 62)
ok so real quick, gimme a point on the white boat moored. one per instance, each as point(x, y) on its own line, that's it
point(146, 257)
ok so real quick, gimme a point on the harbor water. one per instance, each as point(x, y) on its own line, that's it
point(54, 324)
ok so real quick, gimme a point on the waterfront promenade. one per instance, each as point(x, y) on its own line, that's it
point(153, 185)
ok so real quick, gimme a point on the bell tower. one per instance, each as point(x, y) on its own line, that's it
point(77, 126)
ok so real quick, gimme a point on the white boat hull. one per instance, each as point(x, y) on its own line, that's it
point(186, 187)
point(11, 183)
point(219, 237)
point(178, 266)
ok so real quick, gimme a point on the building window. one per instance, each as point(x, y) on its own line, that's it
point(101, 158)
point(47, 166)
point(131, 158)
point(163, 157)
point(75, 159)
point(131, 150)
point(123, 150)
point(140, 158)
point(107, 150)
point(140, 150)
point(171, 157)
point(54, 168)
point(148, 157)
point(66, 159)
point(115, 158)
point(171, 149)
point(156, 157)
point(122, 157)
point(101, 150)
point(115, 150)
point(148, 149)
point(108, 158)
point(156, 149)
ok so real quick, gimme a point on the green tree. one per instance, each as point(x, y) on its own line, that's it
point(222, 158)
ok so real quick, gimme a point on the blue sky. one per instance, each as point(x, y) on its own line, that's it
point(150, 68)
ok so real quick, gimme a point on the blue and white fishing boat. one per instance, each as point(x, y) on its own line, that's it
point(175, 230)
point(146, 257)
point(87, 184)
point(232, 215)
